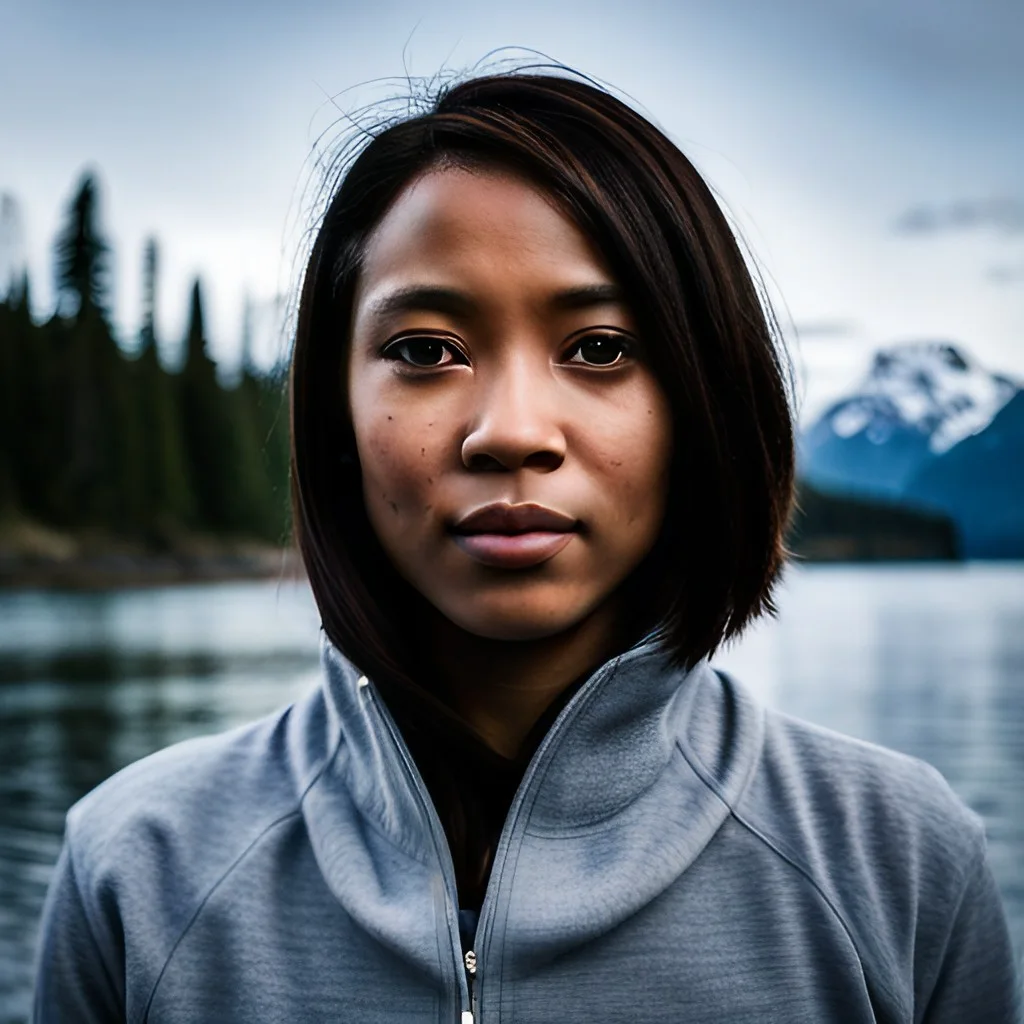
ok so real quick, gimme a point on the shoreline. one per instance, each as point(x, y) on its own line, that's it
point(34, 556)
point(114, 570)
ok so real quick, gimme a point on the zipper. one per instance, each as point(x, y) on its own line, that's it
point(466, 971)
point(444, 854)
point(484, 922)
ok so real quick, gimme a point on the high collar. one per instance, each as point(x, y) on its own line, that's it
point(645, 754)
point(606, 748)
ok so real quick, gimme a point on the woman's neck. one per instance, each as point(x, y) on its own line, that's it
point(502, 687)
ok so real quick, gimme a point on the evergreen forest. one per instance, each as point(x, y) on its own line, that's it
point(100, 439)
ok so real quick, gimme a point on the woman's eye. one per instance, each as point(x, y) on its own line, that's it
point(603, 349)
point(422, 351)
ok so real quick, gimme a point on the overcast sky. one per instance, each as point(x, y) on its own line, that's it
point(871, 150)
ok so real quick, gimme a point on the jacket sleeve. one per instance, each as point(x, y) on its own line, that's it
point(978, 980)
point(76, 970)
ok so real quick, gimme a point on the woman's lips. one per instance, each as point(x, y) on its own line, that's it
point(512, 550)
point(513, 536)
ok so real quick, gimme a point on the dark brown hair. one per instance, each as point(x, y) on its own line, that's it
point(709, 334)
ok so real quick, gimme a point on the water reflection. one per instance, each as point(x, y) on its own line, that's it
point(90, 683)
point(927, 660)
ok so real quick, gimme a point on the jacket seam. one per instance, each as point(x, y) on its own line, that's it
point(525, 813)
point(380, 830)
point(372, 812)
point(508, 869)
point(975, 869)
point(229, 869)
point(439, 952)
point(790, 859)
point(88, 921)
point(383, 719)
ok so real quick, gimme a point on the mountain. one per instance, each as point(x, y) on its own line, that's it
point(979, 483)
point(931, 430)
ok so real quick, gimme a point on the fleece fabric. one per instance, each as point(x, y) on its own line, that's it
point(675, 852)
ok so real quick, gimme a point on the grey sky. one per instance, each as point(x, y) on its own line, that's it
point(823, 126)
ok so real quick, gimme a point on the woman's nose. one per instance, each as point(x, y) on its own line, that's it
point(517, 423)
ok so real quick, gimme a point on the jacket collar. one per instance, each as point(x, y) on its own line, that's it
point(645, 755)
point(608, 745)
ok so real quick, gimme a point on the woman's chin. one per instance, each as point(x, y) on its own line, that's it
point(519, 621)
point(512, 630)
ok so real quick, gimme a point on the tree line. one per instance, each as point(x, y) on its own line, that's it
point(98, 439)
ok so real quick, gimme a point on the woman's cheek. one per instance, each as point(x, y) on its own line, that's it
point(398, 473)
point(637, 464)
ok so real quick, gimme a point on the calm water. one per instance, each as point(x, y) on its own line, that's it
point(926, 660)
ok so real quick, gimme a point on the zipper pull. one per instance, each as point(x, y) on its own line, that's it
point(469, 962)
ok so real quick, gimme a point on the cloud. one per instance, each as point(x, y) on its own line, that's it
point(1003, 214)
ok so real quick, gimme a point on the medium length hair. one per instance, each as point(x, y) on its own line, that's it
point(709, 334)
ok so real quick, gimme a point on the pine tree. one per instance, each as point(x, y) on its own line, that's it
point(260, 400)
point(100, 486)
point(9, 344)
point(219, 440)
point(197, 389)
point(32, 403)
point(273, 409)
point(82, 253)
point(14, 320)
point(12, 254)
point(150, 262)
point(167, 502)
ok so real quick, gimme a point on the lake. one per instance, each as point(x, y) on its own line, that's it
point(925, 659)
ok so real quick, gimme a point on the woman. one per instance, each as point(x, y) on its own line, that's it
point(542, 465)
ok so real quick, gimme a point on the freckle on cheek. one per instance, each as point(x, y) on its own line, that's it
point(391, 417)
point(394, 507)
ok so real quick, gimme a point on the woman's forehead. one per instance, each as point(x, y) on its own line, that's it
point(459, 219)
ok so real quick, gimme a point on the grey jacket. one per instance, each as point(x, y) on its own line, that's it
point(674, 853)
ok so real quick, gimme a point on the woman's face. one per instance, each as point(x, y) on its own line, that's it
point(513, 441)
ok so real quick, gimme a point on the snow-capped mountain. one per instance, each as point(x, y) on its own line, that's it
point(928, 386)
point(923, 420)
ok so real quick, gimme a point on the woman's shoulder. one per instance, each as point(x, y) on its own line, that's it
point(195, 806)
point(880, 835)
point(876, 840)
point(818, 785)
point(807, 787)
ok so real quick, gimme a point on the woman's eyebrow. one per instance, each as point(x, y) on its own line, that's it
point(422, 298)
point(441, 299)
point(588, 295)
